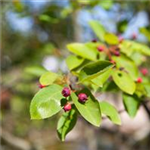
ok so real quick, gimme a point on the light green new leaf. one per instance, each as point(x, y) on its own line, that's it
point(124, 81)
point(128, 47)
point(93, 70)
point(111, 39)
point(98, 29)
point(90, 110)
point(46, 102)
point(146, 32)
point(48, 78)
point(35, 70)
point(73, 61)
point(66, 123)
point(128, 64)
point(83, 50)
point(131, 104)
point(110, 111)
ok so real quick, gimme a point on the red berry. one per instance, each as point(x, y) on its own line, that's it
point(41, 86)
point(100, 48)
point(67, 107)
point(94, 40)
point(144, 71)
point(139, 80)
point(117, 53)
point(66, 92)
point(82, 97)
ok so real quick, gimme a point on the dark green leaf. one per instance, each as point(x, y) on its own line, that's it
point(94, 69)
point(46, 102)
point(66, 123)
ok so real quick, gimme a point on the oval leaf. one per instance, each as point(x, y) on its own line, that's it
point(83, 51)
point(66, 123)
point(48, 78)
point(98, 29)
point(90, 110)
point(110, 111)
point(131, 104)
point(73, 61)
point(128, 64)
point(111, 39)
point(124, 81)
point(46, 102)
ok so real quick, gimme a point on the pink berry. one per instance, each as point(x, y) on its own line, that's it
point(139, 80)
point(100, 48)
point(67, 107)
point(121, 39)
point(66, 92)
point(112, 61)
point(42, 86)
point(144, 71)
point(82, 97)
point(117, 53)
point(134, 36)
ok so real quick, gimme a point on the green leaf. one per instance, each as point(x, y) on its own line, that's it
point(94, 69)
point(128, 47)
point(101, 79)
point(146, 32)
point(90, 110)
point(131, 104)
point(124, 81)
point(110, 111)
point(46, 102)
point(98, 29)
point(83, 50)
point(73, 62)
point(128, 64)
point(147, 88)
point(111, 39)
point(48, 78)
point(66, 123)
point(35, 70)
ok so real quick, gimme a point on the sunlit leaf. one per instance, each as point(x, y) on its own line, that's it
point(73, 61)
point(82, 50)
point(110, 111)
point(90, 110)
point(46, 102)
point(111, 39)
point(124, 81)
point(98, 29)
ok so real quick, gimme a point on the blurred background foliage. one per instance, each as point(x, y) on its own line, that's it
point(34, 38)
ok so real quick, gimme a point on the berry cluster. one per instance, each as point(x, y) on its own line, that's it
point(82, 98)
